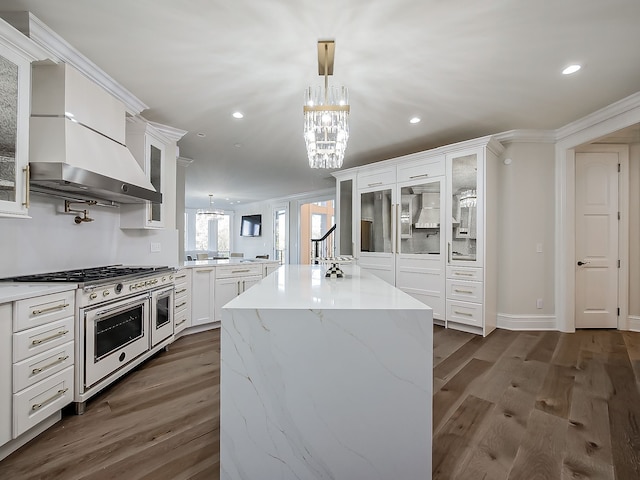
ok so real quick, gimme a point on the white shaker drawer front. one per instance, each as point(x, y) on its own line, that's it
point(34, 404)
point(33, 369)
point(465, 313)
point(370, 178)
point(241, 270)
point(181, 322)
point(35, 311)
point(465, 291)
point(461, 273)
point(39, 339)
point(431, 167)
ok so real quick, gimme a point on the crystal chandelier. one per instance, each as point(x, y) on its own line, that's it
point(326, 115)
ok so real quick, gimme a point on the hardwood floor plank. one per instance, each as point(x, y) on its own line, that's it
point(446, 341)
point(542, 449)
point(567, 353)
point(632, 341)
point(450, 445)
point(454, 362)
point(544, 349)
point(450, 395)
point(555, 395)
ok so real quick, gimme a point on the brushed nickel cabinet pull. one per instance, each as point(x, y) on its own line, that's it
point(27, 193)
point(181, 305)
point(181, 322)
point(419, 176)
point(38, 341)
point(462, 274)
point(37, 406)
point(240, 271)
point(374, 184)
point(50, 309)
point(462, 291)
point(178, 292)
point(463, 313)
point(52, 364)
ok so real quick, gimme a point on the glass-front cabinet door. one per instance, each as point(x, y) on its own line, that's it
point(377, 232)
point(420, 212)
point(464, 209)
point(15, 78)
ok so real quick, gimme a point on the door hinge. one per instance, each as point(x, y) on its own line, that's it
point(618, 215)
point(618, 311)
point(618, 168)
point(618, 263)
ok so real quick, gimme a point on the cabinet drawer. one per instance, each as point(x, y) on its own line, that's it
point(465, 313)
point(35, 311)
point(40, 339)
point(36, 403)
point(432, 167)
point(465, 291)
point(241, 270)
point(181, 322)
point(462, 273)
point(374, 178)
point(33, 369)
point(182, 303)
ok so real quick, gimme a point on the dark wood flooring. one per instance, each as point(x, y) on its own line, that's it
point(514, 405)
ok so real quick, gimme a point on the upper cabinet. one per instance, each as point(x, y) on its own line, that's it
point(16, 54)
point(148, 145)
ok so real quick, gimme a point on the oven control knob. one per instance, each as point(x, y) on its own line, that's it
point(164, 279)
point(155, 280)
point(118, 288)
point(105, 293)
point(170, 277)
point(93, 296)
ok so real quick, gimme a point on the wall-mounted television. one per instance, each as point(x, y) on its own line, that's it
point(251, 226)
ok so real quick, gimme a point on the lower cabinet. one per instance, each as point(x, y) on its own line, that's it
point(231, 281)
point(37, 353)
point(202, 295)
point(5, 373)
point(182, 304)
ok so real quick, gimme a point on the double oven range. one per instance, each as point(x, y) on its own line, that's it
point(123, 316)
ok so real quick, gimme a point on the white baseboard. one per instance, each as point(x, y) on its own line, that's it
point(634, 323)
point(526, 322)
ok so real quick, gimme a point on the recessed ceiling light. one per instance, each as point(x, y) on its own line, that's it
point(415, 120)
point(237, 115)
point(571, 69)
point(237, 145)
point(202, 135)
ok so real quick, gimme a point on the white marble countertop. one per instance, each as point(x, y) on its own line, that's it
point(306, 287)
point(226, 261)
point(12, 291)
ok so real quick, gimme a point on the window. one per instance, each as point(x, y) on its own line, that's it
point(213, 233)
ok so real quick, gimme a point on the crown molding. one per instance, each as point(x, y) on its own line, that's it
point(632, 102)
point(23, 46)
point(526, 136)
point(184, 161)
point(172, 133)
point(59, 50)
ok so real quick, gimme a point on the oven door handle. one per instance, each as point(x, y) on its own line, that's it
point(127, 306)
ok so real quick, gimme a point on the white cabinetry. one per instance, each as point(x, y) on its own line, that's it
point(427, 223)
point(231, 281)
point(269, 268)
point(16, 54)
point(5, 373)
point(202, 295)
point(148, 145)
point(43, 358)
point(182, 311)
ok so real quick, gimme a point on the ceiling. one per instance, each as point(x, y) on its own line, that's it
point(466, 68)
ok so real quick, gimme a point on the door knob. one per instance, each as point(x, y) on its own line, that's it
point(580, 263)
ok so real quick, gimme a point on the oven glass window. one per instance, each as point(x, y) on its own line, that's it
point(118, 330)
point(162, 311)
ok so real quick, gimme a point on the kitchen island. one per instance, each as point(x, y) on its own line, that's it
point(325, 378)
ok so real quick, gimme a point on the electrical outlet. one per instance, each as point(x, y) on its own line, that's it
point(539, 303)
point(156, 247)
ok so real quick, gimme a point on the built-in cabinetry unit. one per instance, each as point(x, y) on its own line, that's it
point(427, 224)
point(16, 54)
point(36, 365)
point(202, 295)
point(148, 146)
point(232, 280)
point(269, 268)
point(182, 300)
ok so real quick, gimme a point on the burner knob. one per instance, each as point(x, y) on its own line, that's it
point(118, 288)
point(93, 296)
point(105, 293)
point(170, 277)
point(164, 279)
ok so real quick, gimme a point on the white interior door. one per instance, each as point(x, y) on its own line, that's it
point(596, 240)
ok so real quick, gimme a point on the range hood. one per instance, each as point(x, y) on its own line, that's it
point(429, 216)
point(77, 140)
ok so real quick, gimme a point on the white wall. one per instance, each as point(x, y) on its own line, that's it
point(526, 209)
point(634, 229)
